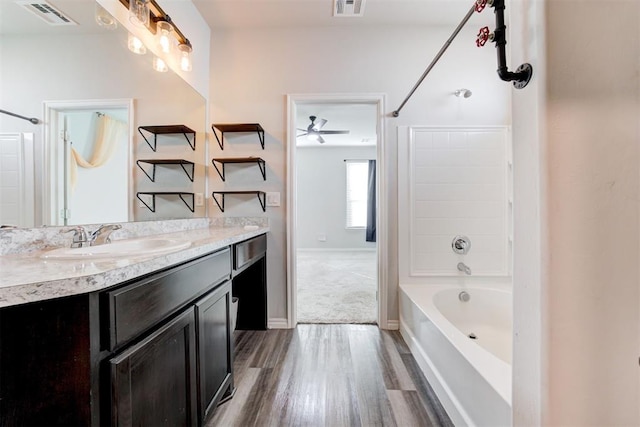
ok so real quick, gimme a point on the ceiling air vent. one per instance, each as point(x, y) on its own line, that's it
point(348, 8)
point(46, 12)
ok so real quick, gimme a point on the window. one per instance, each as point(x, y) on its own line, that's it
point(357, 177)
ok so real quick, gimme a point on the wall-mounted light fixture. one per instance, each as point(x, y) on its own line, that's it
point(168, 35)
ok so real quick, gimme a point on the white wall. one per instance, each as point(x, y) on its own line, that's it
point(252, 71)
point(576, 301)
point(322, 200)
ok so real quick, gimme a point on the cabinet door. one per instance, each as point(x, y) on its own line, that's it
point(215, 353)
point(153, 383)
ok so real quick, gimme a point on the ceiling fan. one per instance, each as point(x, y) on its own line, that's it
point(314, 130)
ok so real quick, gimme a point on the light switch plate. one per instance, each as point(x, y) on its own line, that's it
point(199, 199)
point(273, 199)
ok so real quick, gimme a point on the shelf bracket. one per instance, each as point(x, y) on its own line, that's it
point(192, 208)
point(152, 208)
point(152, 177)
point(193, 146)
point(193, 169)
point(263, 200)
point(221, 173)
point(261, 137)
point(155, 142)
point(263, 169)
point(220, 140)
point(221, 206)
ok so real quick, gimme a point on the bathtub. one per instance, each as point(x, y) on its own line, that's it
point(463, 348)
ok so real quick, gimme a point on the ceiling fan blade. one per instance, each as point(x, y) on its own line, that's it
point(318, 125)
point(333, 132)
point(302, 134)
point(320, 139)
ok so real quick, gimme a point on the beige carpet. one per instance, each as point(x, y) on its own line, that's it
point(336, 286)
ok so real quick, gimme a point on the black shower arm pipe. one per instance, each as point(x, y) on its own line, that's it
point(446, 45)
point(31, 119)
point(522, 75)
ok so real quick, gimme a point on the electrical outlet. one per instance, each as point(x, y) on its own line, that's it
point(273, 199)
point(199, 199)
point(322, 237)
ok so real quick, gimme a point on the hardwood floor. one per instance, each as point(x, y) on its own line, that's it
point(328, 375)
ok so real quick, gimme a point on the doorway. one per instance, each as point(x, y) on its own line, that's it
point(335, 215)
point(87, 148)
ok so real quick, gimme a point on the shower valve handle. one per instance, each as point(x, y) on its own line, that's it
point(483, 36)
point(481, 4)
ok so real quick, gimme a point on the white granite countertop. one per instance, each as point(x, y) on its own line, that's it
point(28, 277)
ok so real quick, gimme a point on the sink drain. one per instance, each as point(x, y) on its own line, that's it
point(472, 336)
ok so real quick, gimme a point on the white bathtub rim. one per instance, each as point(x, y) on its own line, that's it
point(494, 370)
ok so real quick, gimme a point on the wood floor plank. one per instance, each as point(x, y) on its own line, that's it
point(327, 376)
point(375, 408)
point(394, 370)
point(436, 413)
point(408, 410)
point(230, 413)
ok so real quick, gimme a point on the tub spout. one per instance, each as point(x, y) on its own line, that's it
point(464, 268)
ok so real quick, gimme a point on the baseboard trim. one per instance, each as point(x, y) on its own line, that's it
point(373, 249)
point(393, 325)
point(278, 323)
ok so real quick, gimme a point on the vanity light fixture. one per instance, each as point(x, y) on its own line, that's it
point(167, 34)
point(184, 50)
point(135, 45)
point(159, 65)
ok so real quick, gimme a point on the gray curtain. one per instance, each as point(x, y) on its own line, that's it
point(371, 203)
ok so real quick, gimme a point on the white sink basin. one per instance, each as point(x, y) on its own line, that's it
point(119, 249)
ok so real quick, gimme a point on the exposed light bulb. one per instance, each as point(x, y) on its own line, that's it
point(160, 65)
point(312, 137)
point(185, 56)
point(135, 45)
point(164, 33)
point(139, 12)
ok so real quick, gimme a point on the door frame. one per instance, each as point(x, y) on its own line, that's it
point(51, 135)
point(382, 252)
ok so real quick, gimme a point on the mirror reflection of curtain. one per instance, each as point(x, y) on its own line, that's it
point(371, 203)
point(109, 132)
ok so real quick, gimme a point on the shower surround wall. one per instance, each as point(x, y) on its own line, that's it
point(457, 181)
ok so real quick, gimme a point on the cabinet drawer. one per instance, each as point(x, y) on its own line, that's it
point(134, 308)
point(249, 250)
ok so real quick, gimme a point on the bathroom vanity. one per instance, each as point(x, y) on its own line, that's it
point(153, 350)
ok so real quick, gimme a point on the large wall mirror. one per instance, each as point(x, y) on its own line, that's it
point(86, 162)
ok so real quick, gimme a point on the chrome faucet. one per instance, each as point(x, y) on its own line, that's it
point(79, 237)
point(102, 234)
point(464, 268)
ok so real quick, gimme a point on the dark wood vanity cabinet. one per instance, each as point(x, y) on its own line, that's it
point(153, 383)
point(156, 351)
